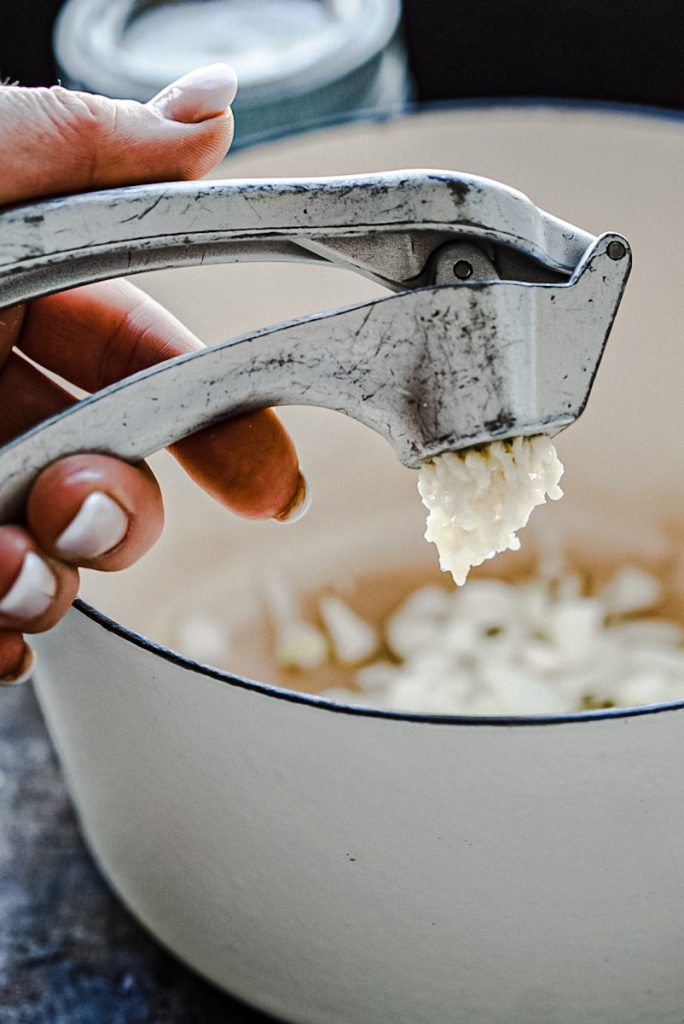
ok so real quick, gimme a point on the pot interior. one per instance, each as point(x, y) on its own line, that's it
point(624, 480)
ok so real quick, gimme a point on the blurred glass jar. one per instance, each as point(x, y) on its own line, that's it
point(300, 63)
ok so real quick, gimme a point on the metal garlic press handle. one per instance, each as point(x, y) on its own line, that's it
point(386, 226)
point(436, 367)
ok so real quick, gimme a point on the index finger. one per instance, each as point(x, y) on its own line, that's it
point(98, 334)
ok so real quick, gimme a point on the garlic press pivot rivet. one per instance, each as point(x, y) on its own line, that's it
point(463, 270)
point(616, 250)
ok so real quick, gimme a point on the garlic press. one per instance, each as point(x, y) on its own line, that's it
point(494, 324)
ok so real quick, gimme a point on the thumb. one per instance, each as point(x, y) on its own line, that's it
point(56, 141)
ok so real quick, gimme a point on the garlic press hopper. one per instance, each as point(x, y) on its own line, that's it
point(495, 321)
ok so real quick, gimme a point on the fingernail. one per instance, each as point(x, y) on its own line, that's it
point(300, 506)
point(24, 669)
point(199, 95)
point(99, 525)
point(32, 591)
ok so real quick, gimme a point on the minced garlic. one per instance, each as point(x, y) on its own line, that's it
point(479, 498)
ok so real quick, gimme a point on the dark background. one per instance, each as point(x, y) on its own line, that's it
point(616, 50)
point(619, 50)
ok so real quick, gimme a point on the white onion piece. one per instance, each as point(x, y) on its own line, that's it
point(536, 648)
point(630, 590)
point(203, 638)
point(299, 645)
point(353, 640)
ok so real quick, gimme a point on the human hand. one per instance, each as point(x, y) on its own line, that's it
point(94, 510)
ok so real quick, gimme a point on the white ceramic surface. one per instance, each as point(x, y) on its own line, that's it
point(337, 867)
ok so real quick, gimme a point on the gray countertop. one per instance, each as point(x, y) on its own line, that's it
point(69, 952)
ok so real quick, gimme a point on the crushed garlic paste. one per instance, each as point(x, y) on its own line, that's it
point(478, 499)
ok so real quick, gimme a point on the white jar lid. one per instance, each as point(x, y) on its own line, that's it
point(280, 48)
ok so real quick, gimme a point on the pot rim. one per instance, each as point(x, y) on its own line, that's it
point(635, 110)
point(325, 704)
point(415, 108)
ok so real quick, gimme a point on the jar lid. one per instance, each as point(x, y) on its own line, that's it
point(280, 49)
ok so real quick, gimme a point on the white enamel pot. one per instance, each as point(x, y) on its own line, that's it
point(333, 865)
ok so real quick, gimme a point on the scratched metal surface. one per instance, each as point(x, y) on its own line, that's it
point(69, 952)
point(432, 370)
